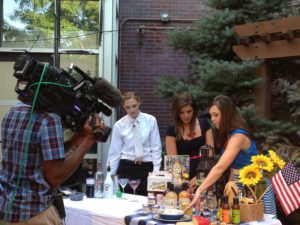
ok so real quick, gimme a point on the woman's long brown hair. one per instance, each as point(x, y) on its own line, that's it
point(230, 119)
point(180, 100)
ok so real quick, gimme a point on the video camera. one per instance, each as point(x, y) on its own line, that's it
point(72, 94)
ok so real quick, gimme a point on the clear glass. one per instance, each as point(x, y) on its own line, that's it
point(134, 184)
point(212, 205)
point(123, 182)
point(200, 178)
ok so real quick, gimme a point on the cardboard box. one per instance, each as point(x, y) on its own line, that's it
point(157, 181)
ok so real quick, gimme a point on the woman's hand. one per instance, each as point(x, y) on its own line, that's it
point(192, 185)
point(195, 200)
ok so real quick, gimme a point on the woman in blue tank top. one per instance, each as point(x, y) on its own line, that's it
point(238, 146)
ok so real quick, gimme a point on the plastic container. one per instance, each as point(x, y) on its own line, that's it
point(78, 196)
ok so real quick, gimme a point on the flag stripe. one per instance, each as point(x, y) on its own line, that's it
point(279, 190)
point(288, 195)
point(296, 193)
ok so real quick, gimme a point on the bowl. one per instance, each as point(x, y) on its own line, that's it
point(77, 196)
point(171, 214)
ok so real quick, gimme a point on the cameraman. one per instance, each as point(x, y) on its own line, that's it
point(35, 163)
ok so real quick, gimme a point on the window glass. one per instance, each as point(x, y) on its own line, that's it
point(79, 24)
point(87, 63)
point(30, 23)
point(26, 21)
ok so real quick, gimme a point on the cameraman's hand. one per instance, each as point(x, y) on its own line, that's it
point(92, 124)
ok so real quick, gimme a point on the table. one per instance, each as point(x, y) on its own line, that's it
point(92, 211)
point(136, 219)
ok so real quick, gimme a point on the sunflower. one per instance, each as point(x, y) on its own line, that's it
point(263, 162)
point(276, 159)
point(250, 175)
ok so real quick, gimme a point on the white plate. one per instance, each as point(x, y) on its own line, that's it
point(183, 219)
point(268, 216)
point(141, 212)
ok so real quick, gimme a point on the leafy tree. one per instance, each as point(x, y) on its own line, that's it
point(78, 19)
point(217, 69)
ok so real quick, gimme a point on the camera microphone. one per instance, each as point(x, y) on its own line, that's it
point(106, 92)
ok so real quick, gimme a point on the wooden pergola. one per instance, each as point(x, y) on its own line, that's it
point(271, 39)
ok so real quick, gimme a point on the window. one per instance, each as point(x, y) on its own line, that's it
point(31, 23)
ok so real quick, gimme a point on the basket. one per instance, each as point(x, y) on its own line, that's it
point(251, 212)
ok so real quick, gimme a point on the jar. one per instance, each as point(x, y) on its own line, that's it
point(146, 209)
point(151, 200)
point(155, 210)
point(159, 198)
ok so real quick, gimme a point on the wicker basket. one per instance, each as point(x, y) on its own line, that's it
point(251, 212)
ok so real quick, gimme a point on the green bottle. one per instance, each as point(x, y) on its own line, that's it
point(235, 210)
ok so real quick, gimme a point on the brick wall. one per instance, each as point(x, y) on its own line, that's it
point(145, 54)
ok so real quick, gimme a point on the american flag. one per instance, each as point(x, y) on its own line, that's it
point(286, 184)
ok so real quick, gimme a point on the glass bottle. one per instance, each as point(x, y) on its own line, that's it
point(220, 208)
point(235, 211)
point(99, 180)
point(90, 182)
point(226, 211)
point(108, 188)
point(184, 199)
point(170, 197)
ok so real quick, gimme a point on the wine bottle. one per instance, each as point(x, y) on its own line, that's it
point(108, 190)
point(90, 182)
point(99, 176)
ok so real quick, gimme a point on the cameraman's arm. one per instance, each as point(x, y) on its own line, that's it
point(57, 171)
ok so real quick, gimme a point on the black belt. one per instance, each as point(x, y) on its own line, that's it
point(136, 162)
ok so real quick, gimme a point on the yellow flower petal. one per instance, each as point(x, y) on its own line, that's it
point(263, 162)
point(250, 175)
point(276, 159)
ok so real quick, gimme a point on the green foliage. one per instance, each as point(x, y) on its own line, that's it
point(78, 18)
point(214, 36)
point(40, 14)
point(217, 70)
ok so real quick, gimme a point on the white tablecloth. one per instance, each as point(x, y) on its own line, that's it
point(92, 211)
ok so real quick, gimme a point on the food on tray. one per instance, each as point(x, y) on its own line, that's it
point(171, 212)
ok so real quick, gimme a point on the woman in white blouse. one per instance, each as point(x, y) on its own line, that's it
point(135, 148)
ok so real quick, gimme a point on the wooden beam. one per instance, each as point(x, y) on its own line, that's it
point(270, 26)
point(274, 49)
point(262, 91)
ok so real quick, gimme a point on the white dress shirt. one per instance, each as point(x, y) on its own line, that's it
point(122, 141)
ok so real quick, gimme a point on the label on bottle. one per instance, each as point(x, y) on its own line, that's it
point(90, 187)
point(107, 187)
point(219, 216)
point(90, 181)
point(226, 215)
point(235, 217)
point(151, 200)
point(170, 203)
point(182, 200)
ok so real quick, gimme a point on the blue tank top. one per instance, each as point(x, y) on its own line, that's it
point(244, 156)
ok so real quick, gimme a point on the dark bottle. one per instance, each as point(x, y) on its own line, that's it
point(235, 212)
point(90, 182)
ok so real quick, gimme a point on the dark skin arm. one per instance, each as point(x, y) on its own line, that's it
point(57, 171)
